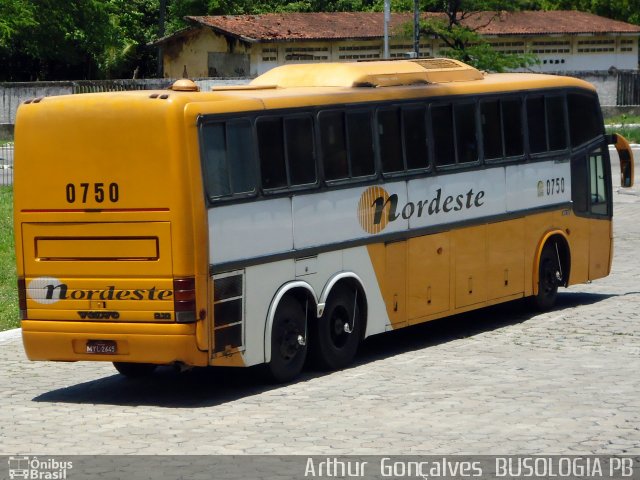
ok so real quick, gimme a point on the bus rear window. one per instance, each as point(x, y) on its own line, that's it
point(228, 158)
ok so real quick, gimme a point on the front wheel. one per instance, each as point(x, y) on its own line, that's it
point(549, 277)
point(288, 341)
point(337, 334)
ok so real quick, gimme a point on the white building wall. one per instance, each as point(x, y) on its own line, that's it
point(556, 53)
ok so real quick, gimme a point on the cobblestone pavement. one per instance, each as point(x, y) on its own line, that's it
point(498, 381)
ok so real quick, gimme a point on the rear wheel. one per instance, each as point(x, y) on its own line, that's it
point(135, 370)
point(288, 341)
point(337, 334)
point(549, 277)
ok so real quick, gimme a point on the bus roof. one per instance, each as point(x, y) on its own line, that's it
point(368, 81)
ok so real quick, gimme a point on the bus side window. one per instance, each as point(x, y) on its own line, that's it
point(467, 144)
point(443, 141)
point(598, 184)
point(334, 145)
point(271, 150)
point(360, 143)
point(286, 150)
point(536, 125)
point(584, 123)
point(556, 126)
point(216, 164)
point(300, 150)
point(414, 128)
point(491, 121)
point(229, 158)
point(579, 185)
point(502, 133)
point(512, 127)
point(390, 140)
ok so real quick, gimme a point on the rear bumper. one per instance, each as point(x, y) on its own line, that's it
point(136, 342)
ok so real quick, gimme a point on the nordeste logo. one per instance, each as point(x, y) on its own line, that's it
point(48, 290)
point(377, 208)
point(45, 290)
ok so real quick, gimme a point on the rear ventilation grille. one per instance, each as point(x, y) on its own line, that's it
point(373, 74)
point(228, 312)
point(438, 64)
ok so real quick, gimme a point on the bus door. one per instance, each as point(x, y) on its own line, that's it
point(591, 195)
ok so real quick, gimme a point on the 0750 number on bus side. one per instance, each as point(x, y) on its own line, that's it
point(98, 192)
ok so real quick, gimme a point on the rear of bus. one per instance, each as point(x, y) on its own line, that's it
point(111, 264)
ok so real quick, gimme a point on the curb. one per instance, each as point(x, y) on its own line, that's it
point(10, 335)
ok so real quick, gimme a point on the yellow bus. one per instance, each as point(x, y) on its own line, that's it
point(288, 219)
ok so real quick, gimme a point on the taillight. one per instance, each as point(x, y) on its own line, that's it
point(184, 299)
point(22, 298)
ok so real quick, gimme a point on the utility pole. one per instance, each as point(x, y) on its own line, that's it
point(416, 28)
point(387, 18)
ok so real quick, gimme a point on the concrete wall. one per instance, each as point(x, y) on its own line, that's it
point(606, 84)
point(13, 94)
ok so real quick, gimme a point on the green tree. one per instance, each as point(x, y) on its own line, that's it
point(464, 42)
point(624, 10)
point(133, 24)
point(53, 40)
point(15, 16)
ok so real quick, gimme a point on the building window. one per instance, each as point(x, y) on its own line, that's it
point(596, 42)
point(306, 54)
point(596, 50)
point(596, 45)
point(551, 50)
point(359, 52)
point(270, 54)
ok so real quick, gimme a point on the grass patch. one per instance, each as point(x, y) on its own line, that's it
point(9, 313)
point(622, 119)
point(630, 133)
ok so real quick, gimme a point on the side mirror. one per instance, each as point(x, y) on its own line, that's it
point(627, 170)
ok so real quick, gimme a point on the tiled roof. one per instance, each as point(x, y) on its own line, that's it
point(343, 25)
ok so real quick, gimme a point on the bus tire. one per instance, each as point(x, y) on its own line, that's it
point(336, 335)
point(548, 271)
point(134, 370)
point(288, 342)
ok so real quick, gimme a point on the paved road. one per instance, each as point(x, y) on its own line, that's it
point(502, 380)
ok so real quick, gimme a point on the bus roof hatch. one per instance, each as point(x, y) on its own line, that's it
point(369, 74)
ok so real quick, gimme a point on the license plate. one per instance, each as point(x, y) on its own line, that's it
point(105, 347)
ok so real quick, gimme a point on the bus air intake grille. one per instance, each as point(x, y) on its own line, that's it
point(439, 64)
point(228, 312)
